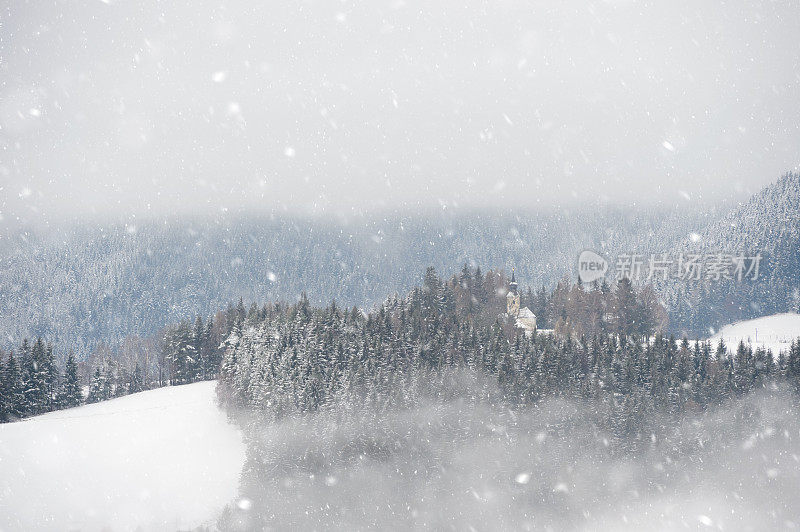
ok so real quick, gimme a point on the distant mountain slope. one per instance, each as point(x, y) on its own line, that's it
point(165, 459)
point(767, 224)
point(92, 283)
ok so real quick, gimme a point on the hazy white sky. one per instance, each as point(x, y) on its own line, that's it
point(147, 106)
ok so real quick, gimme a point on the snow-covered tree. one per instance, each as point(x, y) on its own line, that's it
point(71, 393)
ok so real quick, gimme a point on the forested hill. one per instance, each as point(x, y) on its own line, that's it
point(768, 224)
point(334, 400)
point(32, 381)
point(85, 284)
point(298, 358)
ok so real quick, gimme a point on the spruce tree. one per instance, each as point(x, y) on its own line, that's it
point(27, 370)
point(71, 393)
point(110, 378)
point(5, 402)
point(211, 357)
point(15, 390)
point(793, 364)
point(97, 387)
point(625, 307)
point(198, 342)
point(136, 384)
point(38, 372)
point(51, 378)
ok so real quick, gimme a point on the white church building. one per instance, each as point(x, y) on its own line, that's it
point(523, 317)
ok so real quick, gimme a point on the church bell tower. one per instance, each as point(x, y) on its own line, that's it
point(512, 298)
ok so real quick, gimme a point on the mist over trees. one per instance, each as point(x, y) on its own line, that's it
point(89, 284)
point(300, 359)
point(351, 417)
point(442, 323)
point(134, 279)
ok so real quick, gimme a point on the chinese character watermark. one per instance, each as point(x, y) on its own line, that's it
point(711, 267)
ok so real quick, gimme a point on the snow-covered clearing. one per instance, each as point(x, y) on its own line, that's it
point(774, 332)
point(164, 459)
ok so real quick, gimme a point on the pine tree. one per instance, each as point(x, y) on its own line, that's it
point(136, 385)
point(71, 393)
point(721, 350)
point(27, 370)
point(793, 364)
point(15, 391)
point(5, 395)
point(198, 342)
point(179, 352)
point(241, 312)
point(432, 301)
point(625, 307)
point(110, 380)
point(38, 373)
point(743, 370)
point(51, 380)
point(98, 388)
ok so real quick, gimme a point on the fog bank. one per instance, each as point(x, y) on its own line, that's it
point(467, 464)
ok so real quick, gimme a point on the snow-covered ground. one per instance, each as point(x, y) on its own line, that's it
point(774, 332)
point(165, 459)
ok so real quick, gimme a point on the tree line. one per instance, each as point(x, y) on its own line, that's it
point(300, 359)
point(606, 346)
point(33, 382)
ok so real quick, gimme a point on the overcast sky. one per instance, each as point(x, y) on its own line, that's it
point(144, 106)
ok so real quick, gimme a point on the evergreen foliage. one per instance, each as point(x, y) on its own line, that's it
point(298, 359)
point(13, 389)
point(134, 284)
point(32, 382)
point(767, 225)
point(71, 393)
point(97, 388)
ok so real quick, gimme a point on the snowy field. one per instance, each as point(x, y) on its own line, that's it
point(165, 459)
point(774, 332)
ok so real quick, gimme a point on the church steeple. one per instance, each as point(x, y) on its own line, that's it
point(512, 298)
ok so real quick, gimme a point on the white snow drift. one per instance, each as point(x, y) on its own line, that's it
point(163, 459)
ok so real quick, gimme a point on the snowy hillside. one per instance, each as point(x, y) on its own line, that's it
point(767, 225)
point(774, 332)
point(162, 459)
point(133, 282)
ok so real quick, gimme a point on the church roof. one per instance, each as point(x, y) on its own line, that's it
point(525, 312)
